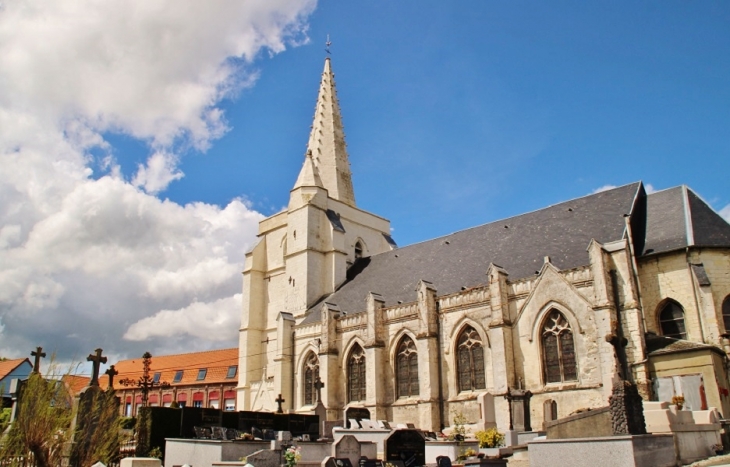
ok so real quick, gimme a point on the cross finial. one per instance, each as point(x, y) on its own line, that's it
point(280, 400)
point(111, 372)
point(327, 45)
point(96, 360)
point(318, 385)
point(38, 353)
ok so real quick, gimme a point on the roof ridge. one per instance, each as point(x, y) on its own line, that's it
point(507, 218)
point(182, 354)
point(688, 224)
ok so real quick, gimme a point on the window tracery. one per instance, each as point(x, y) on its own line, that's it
point(311, 374)
point(470, 360)
point(558, 349)
point(406, 363)
point(356, 375)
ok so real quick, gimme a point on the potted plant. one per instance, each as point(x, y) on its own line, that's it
point(491, 443)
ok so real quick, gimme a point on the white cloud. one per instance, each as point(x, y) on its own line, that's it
point(648, 187)
point(158, 173)
point(217, 320)
point(603, 188)
point(84, 259)
point(725, 212)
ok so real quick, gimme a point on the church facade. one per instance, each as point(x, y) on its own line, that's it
point(557, 302)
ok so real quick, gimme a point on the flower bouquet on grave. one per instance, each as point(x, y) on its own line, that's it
point(678, 401)
point(292, 456)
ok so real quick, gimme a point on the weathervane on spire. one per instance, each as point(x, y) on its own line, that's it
point(327, 45)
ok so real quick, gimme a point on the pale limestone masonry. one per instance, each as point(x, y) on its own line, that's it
point(608, 281)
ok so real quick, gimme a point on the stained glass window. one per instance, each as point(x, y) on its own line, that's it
point(406, 363)
point(356, 375)
point(470, 360)
point(671, 321)
point(311, 373)
point(558, 349)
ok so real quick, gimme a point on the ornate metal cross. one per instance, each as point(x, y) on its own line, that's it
point(318, 385)
point(38, 353)
point(280, 400)
point(327, 45)
point(145, 383)
point(111, 372)
point(96, 360)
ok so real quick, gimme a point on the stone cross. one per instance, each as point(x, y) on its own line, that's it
point(111, 372)
point(38, 353)
point(96, 360)
point(280, 400)
point(318, 385)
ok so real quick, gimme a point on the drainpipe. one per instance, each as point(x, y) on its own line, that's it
point(440, 369)
point(291, 395)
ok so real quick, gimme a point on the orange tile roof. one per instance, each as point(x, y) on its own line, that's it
point(75, 383)
point(7, 366)
point(215, 361)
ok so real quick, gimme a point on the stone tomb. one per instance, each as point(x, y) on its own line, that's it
point(406, 446)
point(334, 462)
point(348, 447)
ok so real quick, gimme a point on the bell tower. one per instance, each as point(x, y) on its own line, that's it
point(302, 256)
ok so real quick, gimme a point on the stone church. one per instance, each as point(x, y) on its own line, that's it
point(554, 302)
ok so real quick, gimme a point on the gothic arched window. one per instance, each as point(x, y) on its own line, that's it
point(558, 350)
point(406, 368)
point(311, 374)
point(358, 250)
point(726, 314)
point(470, 360)
point(356, 374)
point(671, 320)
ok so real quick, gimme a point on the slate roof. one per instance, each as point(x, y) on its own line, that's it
point(659, 345)
point(215, 361)
point(678, 218)
point(518, 244)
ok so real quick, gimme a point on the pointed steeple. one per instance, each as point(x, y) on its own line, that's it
point(327, 141)
point(309, 175)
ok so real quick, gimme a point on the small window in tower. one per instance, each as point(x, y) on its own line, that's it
point(178, 376)
point(156, 377)
point(358, 250)
point(201, 374)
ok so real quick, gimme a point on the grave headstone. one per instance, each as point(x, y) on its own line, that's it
point(283, 435)
point(406, 446)
point(519, 409)
point(486, 410)
point(347, 447)
point(353, 423)
point(328, 425)
point(321, 412)
point(384, 424)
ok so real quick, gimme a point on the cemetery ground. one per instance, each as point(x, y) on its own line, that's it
point(52, 427)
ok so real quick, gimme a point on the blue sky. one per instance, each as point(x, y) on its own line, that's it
point(459, 114)
point(141, 143)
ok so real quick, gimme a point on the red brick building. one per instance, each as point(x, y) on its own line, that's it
point(199, 379)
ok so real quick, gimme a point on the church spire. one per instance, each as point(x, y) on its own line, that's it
point(309, 175)
point(327, 141)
